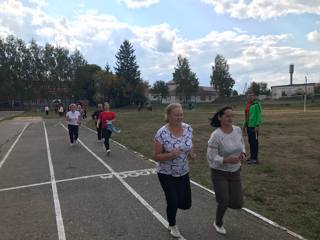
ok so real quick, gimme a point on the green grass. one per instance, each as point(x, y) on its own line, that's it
point(284, 188)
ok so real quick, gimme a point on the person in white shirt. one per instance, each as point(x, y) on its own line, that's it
point(46, 109)
point(226, 153)
point(74, 120)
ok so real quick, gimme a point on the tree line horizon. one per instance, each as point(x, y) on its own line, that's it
point(30, 72)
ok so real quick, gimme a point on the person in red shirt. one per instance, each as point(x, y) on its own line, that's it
point(106, 117)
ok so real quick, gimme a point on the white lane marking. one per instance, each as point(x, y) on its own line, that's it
point(135, 173)
point(57, 207)
point(13, 145)
point(257, 215)
point(126, 185)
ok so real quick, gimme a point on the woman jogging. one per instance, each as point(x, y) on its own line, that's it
point(95, 116)
point(172, 146)
point(74, 119)
point(226, 153)
point(106, 118)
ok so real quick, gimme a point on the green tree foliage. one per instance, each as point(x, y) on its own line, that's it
point(221, 78)
point(160, 89)
point(260, 88)
point(186, 80)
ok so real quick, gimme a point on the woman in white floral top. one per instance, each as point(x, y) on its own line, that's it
point(173, 144)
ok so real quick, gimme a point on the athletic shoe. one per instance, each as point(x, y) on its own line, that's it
point(71, 144)
point(252, 161)
point(220, 230)
point(174, 231)
point(76, 141)
point(108, 152)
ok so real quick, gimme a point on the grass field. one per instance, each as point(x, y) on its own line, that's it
point(284, 188)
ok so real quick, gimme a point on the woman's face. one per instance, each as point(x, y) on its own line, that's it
point(227, 118)
point(176, 116)
point(73, 107)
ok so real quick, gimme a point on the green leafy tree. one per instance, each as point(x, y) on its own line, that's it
point(221, 78)
point(186, 80)
point(160, 89)
point(255, 88)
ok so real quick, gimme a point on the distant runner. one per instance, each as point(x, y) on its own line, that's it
point(74, 120)
point(95, 116)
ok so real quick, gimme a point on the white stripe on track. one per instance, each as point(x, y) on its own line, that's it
point(13, 145)
point(57, 207)
point(126, 185)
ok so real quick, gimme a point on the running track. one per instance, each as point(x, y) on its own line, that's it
point(50, 190)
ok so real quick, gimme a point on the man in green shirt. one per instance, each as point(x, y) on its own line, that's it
point(252, 123)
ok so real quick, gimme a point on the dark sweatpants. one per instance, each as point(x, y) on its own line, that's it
point(99, 132)
point(178, 194)
point(253, 142)
point(106, 134)
point(73, 132)
point(228, 191)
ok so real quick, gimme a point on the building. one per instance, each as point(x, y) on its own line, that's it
point(203, 95)
point(292, 90)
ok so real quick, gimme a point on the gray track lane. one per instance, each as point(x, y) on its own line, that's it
point(9, 131)
point(196, 223)
point(27, 214)
point(28, 162)
point(70, 161)
point(99, 209)
point(120, 159)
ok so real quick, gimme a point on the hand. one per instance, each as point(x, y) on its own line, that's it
point(243, 157)
point(232, 159)
point(175, 152)
point(256, 130)
point(193, 156)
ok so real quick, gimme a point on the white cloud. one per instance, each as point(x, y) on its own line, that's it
point(264, 9)
point(98, 36)
point(139, 3)
point(314, 36)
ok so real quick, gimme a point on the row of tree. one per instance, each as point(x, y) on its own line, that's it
point(31, 72)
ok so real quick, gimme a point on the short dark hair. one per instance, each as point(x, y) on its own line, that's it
point(214, 121)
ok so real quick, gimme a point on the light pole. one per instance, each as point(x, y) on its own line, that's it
point(305, 95)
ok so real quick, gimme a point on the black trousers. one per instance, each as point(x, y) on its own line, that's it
point(106, 134)
point(228, 190)
point(73, 132)
point(178, 194)
point(253, 142)
point(99, 132)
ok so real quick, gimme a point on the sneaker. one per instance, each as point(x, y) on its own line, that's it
point(76, 141)
point(220, 230)
point(174, 231)
point(252, 161)
point(108, 151)
point(71, 144)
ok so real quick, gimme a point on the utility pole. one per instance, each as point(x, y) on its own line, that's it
point(305, 95)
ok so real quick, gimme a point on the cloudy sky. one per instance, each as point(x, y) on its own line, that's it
point(260, 38)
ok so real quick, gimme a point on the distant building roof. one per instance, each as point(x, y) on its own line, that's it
point(295, 85)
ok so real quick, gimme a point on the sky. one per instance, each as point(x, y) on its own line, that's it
point(259, 38)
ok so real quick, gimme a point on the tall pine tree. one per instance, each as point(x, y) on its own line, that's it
point(221, 78)
point(186, 80)
point(128, 70)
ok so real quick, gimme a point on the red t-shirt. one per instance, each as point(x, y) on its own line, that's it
point(105, 116)
point(248, 111)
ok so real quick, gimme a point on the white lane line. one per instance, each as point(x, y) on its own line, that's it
point(126, 185)
point(57, 207)
point(13, 145)
point(135, 173)
point(257, 215)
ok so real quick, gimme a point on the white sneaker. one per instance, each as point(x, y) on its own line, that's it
point(108, 151)
point(174, 231)
point(71, 144)
point(76, 141)
point(220, 230)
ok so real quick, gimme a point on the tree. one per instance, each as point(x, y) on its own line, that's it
point(221, 78)
point(186, 80)
point(160, 89)
point(260, 88)
point(235, 93)
point(84, 85)
point(128, 69)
